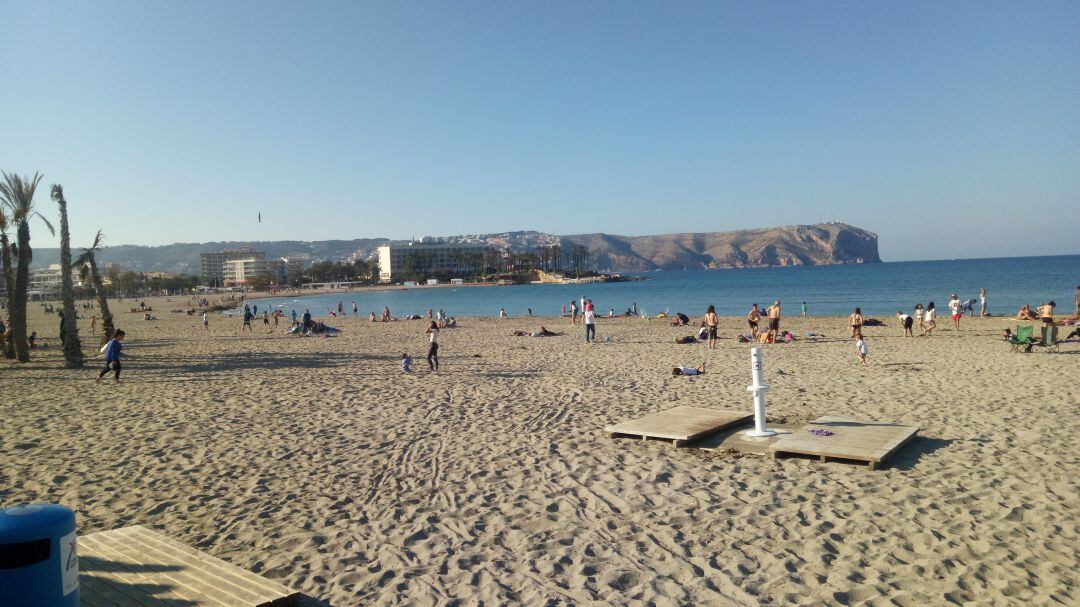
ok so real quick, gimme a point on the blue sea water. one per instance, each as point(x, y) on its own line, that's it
point(879, 289)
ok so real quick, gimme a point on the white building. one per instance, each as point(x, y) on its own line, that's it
point(47, 282)
point(295, 266)
point(239, 272)
point(429, 255)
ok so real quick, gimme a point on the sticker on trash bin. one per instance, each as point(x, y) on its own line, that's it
point(69, 563)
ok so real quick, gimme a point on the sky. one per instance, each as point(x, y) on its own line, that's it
point(952, 129)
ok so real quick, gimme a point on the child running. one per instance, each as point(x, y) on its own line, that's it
point(860, 347)
point(113, 352)
point(406, 363)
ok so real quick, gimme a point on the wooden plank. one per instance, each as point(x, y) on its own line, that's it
point(681, 424)
point(191, 582)
point(135, 587)
point(137, 567)
point(871, 442)
point(238, 581)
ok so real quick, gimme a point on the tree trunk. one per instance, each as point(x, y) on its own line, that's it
point(73, 354)
point(107, 328)
point(9, 292)
point(17, 303)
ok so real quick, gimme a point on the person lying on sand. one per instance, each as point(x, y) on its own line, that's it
point(700, 369)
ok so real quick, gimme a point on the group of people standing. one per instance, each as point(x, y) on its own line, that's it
point(772, 314)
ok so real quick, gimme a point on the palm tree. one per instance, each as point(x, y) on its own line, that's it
point(88, 269)
point(18, 194)
point(9, 281)
point(69, 330)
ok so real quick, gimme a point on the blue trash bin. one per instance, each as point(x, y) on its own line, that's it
point(39, 562)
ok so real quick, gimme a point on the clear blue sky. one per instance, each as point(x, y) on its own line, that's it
point(950, 129)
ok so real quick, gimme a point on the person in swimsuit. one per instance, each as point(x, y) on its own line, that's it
point(855, 322)
point(982, 303)
point(712, 321)
point(1046, 313)
point(774, 317)
point(752, 319)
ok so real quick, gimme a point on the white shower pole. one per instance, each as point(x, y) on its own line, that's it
point(759, 388)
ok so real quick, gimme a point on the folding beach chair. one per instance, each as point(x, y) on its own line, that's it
point(1021, 342)
point(1050, 341)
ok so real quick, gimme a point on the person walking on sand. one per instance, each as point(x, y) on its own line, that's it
point(774, 317)
point(294, 317)
point(931, 320)
point(905, 323)
point(804, 309)
point(340, 309)
point(712, 321)
point(573, 312)
point(113, 352)
point(306, 320)
point(247, 321)
point(205, 321)
point(752, 319)
point(93, 323)
point(266, 321)
point(855, 322)
point(276, 316)
point(589, 320)
point(860, 347)
point(919, 317)
point(433, 345)
point(955, 310)
point(982, 303)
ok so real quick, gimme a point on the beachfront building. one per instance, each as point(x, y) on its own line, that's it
point(241, 272)
point(429, 256)
point(294, 267)
point(46, 283)
point(213, 264)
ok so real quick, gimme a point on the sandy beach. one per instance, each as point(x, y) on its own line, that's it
point(318, 463)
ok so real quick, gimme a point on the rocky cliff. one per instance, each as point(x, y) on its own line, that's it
point(823, 244)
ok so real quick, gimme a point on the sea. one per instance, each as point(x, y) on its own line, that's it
point(879, 289)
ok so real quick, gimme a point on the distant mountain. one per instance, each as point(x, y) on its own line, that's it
point(799, 245)
point(823, 244)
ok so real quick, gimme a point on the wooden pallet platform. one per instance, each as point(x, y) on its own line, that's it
point(137, 567)
point(680, 425)
point(870, 442)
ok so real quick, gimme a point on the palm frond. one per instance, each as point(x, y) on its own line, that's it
point(47, 223)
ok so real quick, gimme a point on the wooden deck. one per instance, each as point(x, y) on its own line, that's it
point(680, 425)
point(871, 442)
point(135, 566)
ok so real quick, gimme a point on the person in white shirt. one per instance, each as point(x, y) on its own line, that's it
point(905, 323)
point(205, 321)
point(590, 324)
point(982, 303)
point(956, 310)
point(930, 317)
point(688, 370)
point(860, 346)
point(433, 347)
